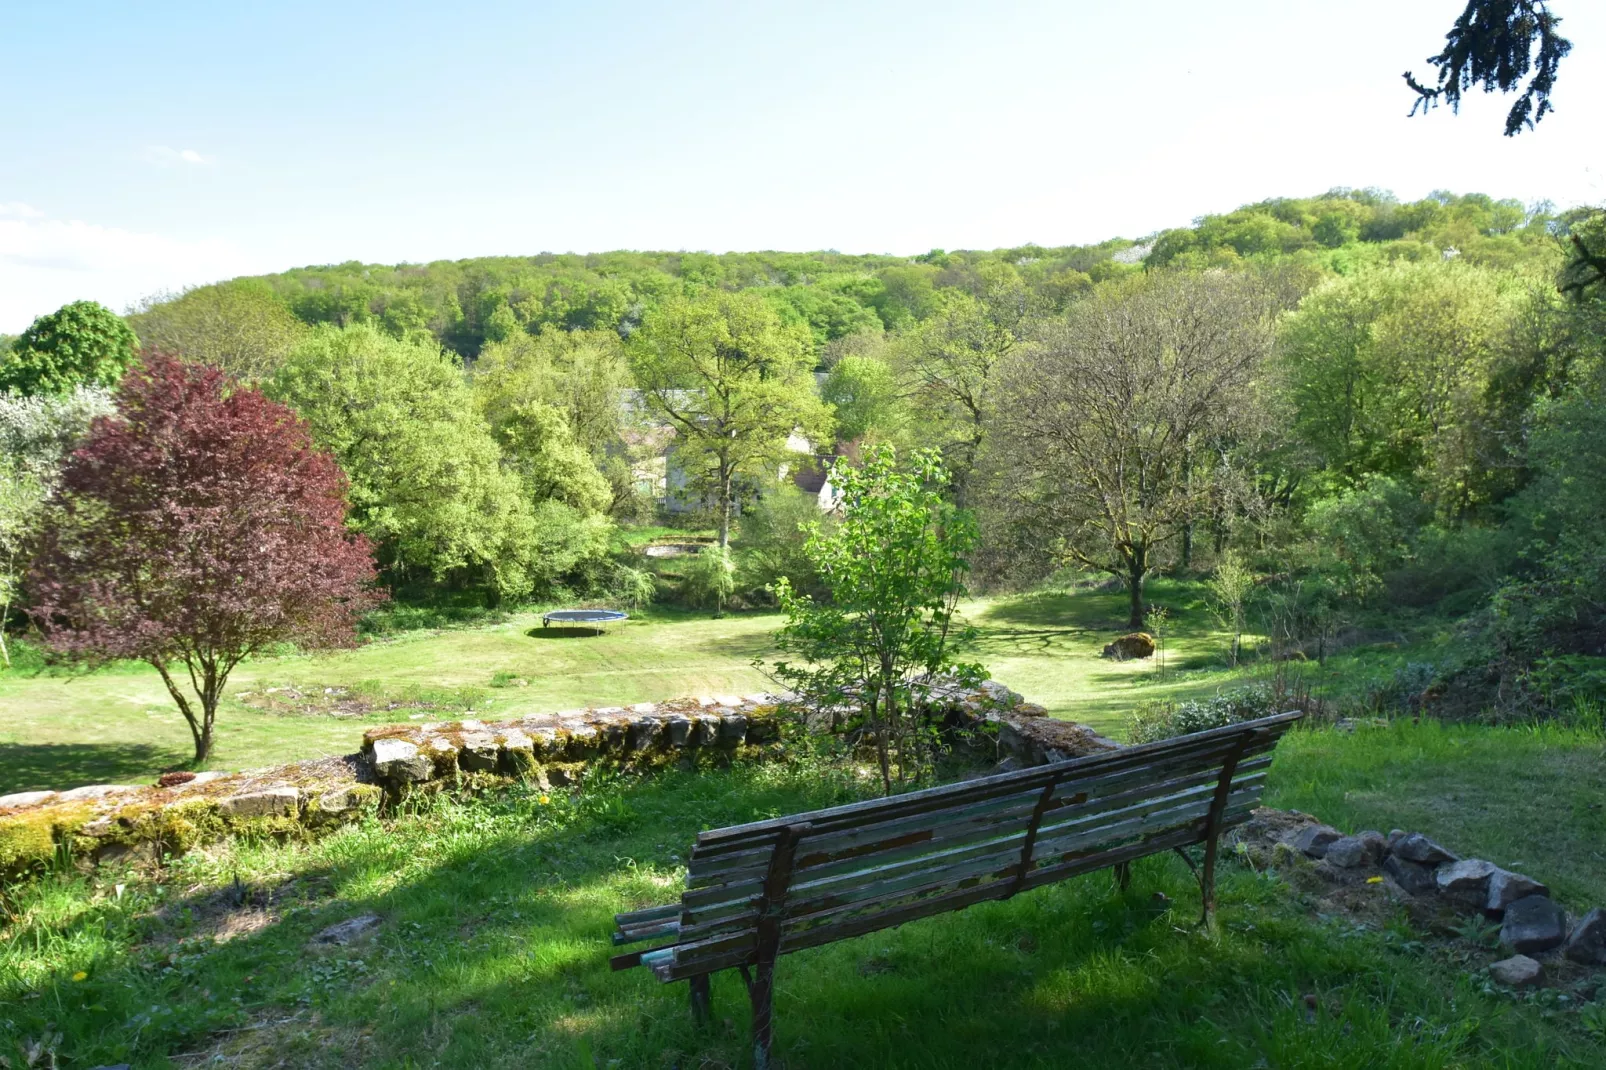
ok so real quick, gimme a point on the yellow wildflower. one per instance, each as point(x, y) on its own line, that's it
point(545, 799)
point(80, 976)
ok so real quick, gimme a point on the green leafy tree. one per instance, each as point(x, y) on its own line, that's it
point(950, 364)
point(867, 398)
point(1390, 371)
point(36, 434)
point(21, 500)
point(1230, 587)
point(733, 382)
point(554, 403)
point(81, 344)
point(710, 578)
point(427, 483)
point(895, 571)
point(772, 540)
point(242, 327)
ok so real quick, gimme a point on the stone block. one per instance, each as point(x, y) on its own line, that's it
point(346, 801)
point(1413, 877)
point(398, 761)
point(732, 729)
point(1466, 883)
point(96, 791)
point(705, 730)
point(517, 754)
point(1587, 944)
point(645, 733)
point(583, 740)
point(763, 729)
point(1518, 971)
point(343, 933)
point(270, 802)
point(1415, 847)
point(1316, 839)
point(1506, 888)
point(679, 729)
point(1533, 923)
point(479, 753)
point(1354, 852)
point(25, 798)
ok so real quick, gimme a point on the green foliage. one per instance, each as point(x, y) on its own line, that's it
point(36, 433)
point(83, 344)
point(1395, 371)
point(734, 383)
point(772, 541)
point(427, 484)
point(709, 578)
point(1363, 533)
point(1496, 44)
point(1163, 720)
point(894, 568)
point(241, 327)
point(1230, 587)
point(864, 393)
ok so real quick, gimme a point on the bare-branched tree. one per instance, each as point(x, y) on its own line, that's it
point(1114, 436)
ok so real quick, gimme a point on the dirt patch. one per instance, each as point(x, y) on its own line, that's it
point(279, 1039)
point(316, 701)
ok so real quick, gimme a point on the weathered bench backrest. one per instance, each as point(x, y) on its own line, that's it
point(818, 877)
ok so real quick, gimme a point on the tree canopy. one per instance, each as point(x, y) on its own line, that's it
point(195, 527)
point(81, 344)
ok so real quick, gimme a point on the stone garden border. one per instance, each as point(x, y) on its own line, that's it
point(144, 823)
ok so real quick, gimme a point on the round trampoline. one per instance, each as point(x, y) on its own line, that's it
point(595, 618)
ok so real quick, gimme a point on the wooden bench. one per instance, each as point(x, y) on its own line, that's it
point(758, 891)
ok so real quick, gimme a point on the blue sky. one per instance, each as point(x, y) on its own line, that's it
point(157, 145)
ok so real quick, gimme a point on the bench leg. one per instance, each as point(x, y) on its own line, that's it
point(702, 1005)
point(762, 992)
point(1123, 876)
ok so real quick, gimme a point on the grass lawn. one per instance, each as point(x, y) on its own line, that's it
point(119, 725)
point(492, 946)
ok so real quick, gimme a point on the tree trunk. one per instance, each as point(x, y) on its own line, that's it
point(1137, 567)
point(725, 481)
point(1187, 546)
point(201, 734)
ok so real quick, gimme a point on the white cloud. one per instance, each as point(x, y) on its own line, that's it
point(163, 156)
point(46, 263)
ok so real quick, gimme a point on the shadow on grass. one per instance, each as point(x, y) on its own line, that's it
point(566, 631)
point(38, 766)
point(491, 951)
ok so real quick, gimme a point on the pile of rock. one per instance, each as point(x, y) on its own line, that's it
point(1531, 922)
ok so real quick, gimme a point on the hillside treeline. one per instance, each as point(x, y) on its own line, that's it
point(1371, 412)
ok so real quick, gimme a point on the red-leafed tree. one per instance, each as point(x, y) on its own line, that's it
point(196, 526)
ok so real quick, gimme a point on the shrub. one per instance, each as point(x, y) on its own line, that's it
point(710, 578)
point(772, 542)
point(1162, 720)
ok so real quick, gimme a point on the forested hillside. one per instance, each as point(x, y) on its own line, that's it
point(1352, 416)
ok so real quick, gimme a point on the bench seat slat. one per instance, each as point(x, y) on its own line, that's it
point(735, 953)
point(1004, 782)
point(998, 869)
point(704, 872)
point(708, 904)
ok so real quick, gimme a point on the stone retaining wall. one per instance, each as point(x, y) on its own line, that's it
point(105, 822)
